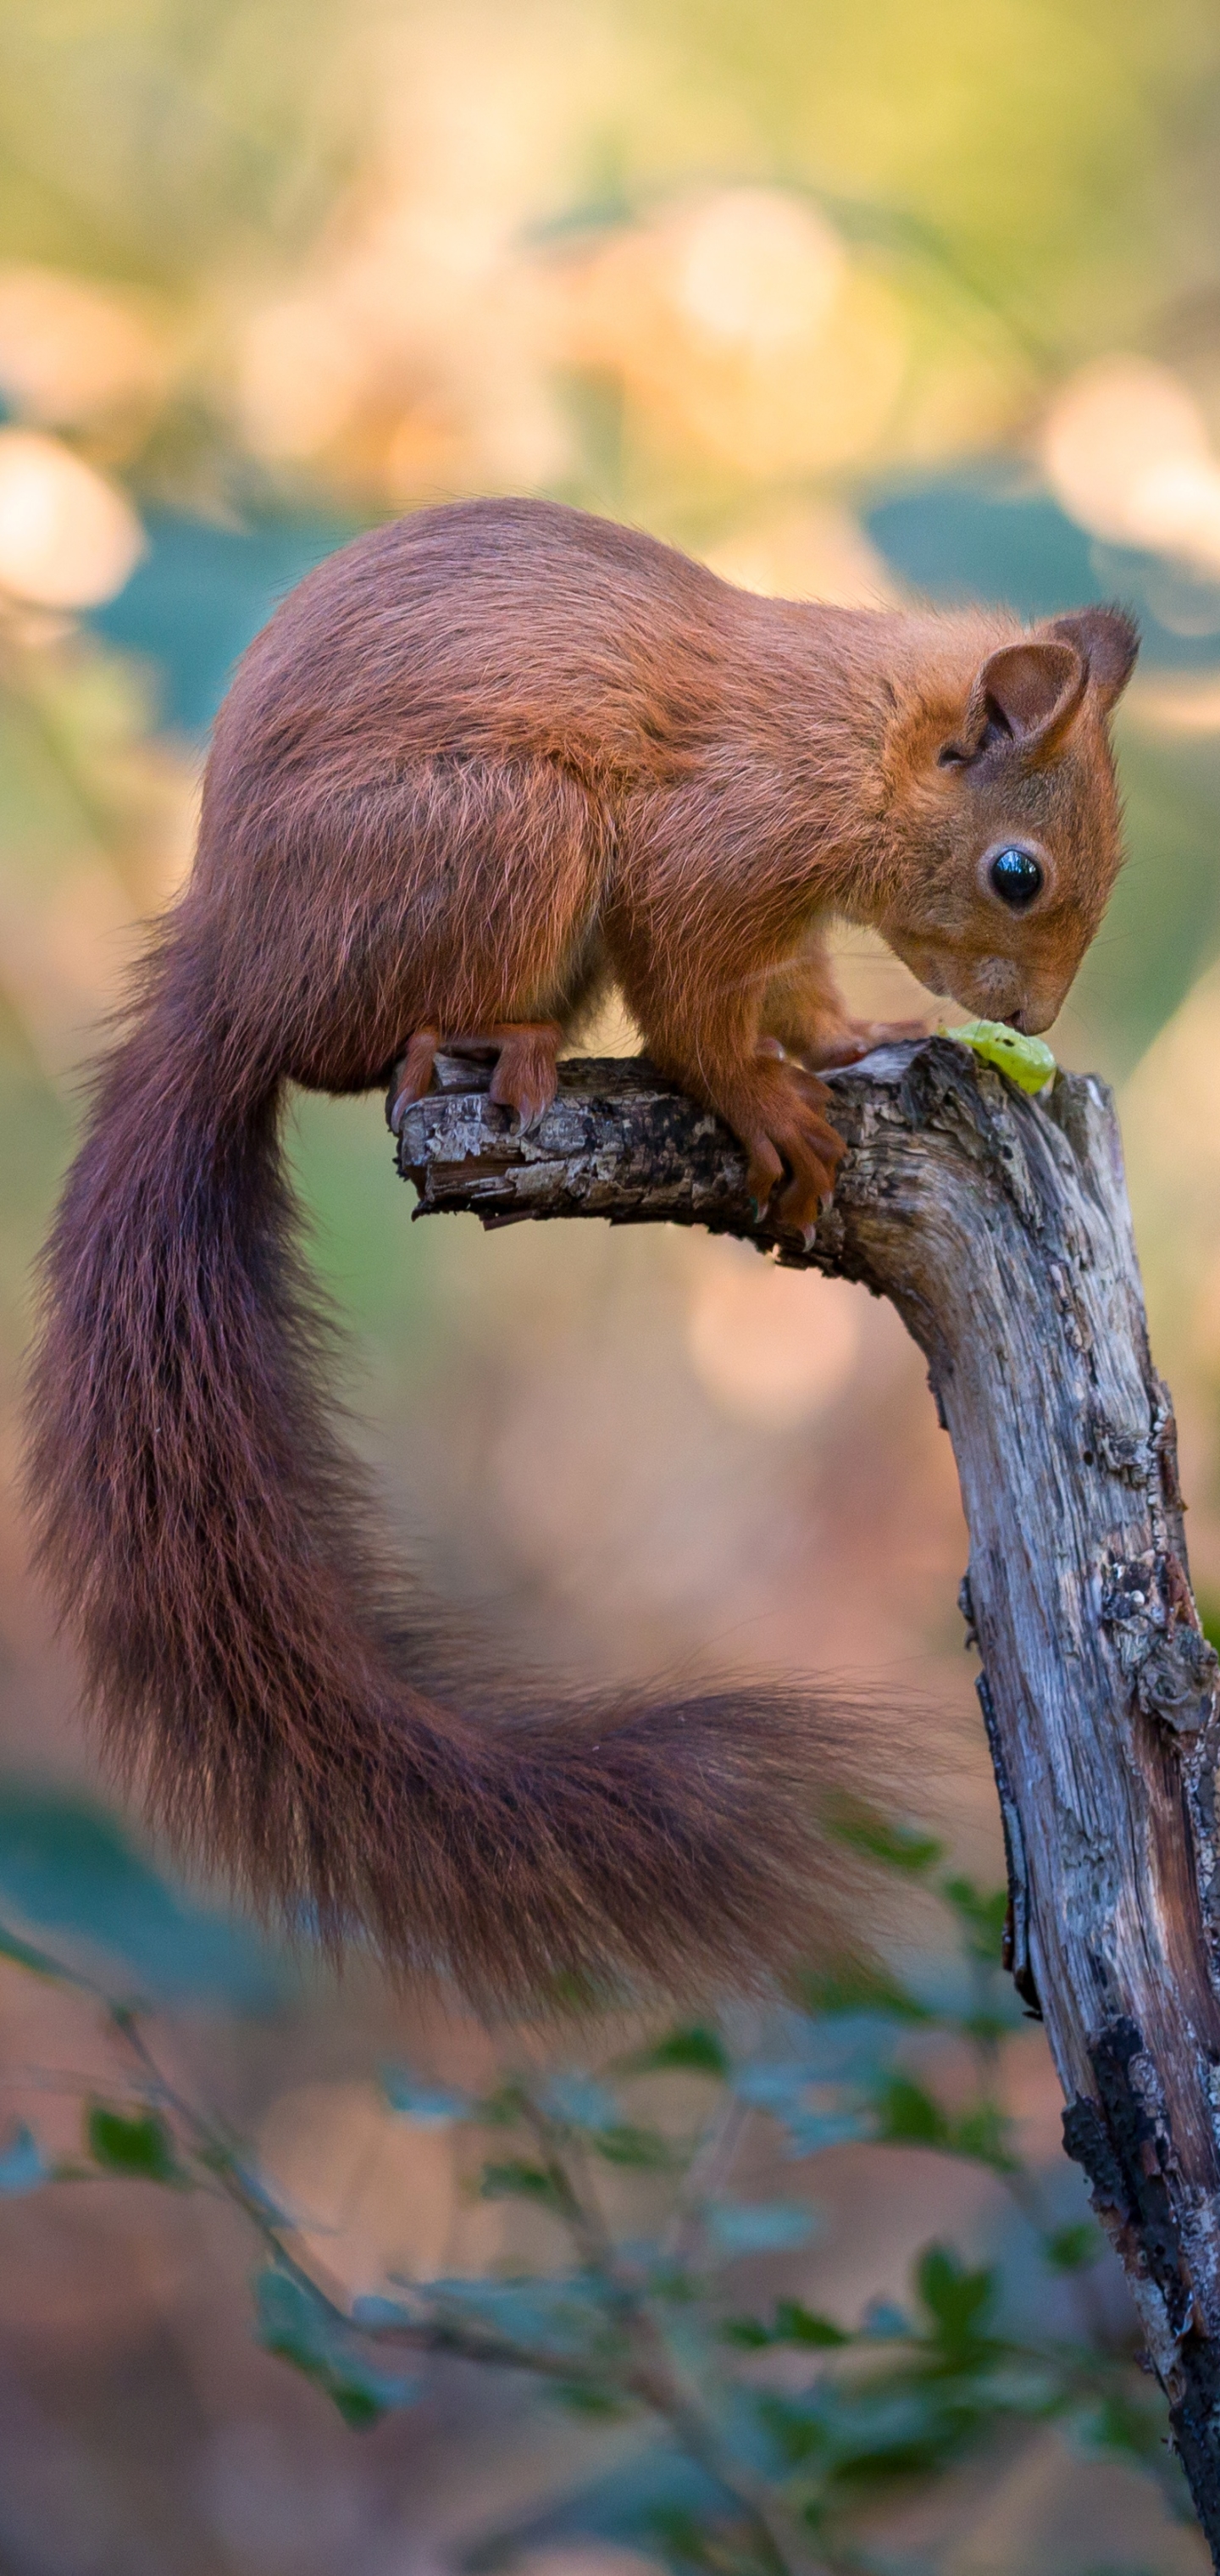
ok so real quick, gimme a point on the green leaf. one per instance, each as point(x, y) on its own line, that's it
point(1119, 2424)
point(554, 2312)
point(503, 2108)
point(1074, 2247)
point(908, 2117)
point(885, 1838)
point(697, 2050)
point(299, 2326)
point(67, 1868)
point(588, 2397)
point(887, 2428)
point(859, 1985)
point(985, 2134)
point(626, 2145)
point(797, 2433)
point(515, 2179)
point(135, 2143)
point(669, 2280)
point(981, 1915)
point(991, 2026)
point(685, 2539)
point(793, 2323)
point(958, 2300)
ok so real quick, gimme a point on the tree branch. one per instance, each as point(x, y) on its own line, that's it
point(999, 1227)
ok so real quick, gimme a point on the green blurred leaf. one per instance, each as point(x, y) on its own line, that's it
point(516, 2179)
point(1074, 2247)
point(958, 2300)
point(860, 1986)
point(1119, 2424)
point(981, 1915)
point(66, 1866)
point(908, 2116)
point(565, 2312)
point(589, 2397)
point(686, 2540)
point(885, 1839)
point(697, 2050)
point(991, 2027)
point(795, 2323)
point(986, 2134)
point(503, 2108)
point(136, 2143)
point(625, 2144)
point(797, 2432)
point(792, 2323)
point(298, 2325)
point(894, 2432)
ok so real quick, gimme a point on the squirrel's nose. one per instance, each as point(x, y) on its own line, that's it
point(1015, 1020)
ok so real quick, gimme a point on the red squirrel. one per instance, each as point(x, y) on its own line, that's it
point(479, 766)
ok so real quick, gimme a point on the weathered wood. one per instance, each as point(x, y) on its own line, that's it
point(999, 1227)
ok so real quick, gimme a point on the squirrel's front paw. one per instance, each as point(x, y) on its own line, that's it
point(779, 1114)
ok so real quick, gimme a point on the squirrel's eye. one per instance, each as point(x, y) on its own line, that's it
point(1016, 877)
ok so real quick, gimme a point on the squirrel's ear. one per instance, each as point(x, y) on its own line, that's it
point(1109, 640)
point(1023, 698)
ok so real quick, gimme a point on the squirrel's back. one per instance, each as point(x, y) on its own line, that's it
point(501, 629)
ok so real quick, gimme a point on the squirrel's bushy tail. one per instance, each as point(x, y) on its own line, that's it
point(208, 1546)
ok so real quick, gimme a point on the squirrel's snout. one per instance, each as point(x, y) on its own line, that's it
point(1034, 1017)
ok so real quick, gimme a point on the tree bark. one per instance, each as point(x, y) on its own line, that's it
point(999, 1227)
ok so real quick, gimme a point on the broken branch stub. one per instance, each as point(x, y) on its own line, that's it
point(999, 1227)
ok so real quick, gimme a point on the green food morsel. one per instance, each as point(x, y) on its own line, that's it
point(1025, 1060)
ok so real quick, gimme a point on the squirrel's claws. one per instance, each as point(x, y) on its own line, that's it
point(411, 1078)
point(530, 1114)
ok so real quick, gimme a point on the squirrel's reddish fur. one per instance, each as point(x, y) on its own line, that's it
point(479, 765)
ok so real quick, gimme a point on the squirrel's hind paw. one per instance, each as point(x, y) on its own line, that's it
point(526, 1077)
point(411, 1078)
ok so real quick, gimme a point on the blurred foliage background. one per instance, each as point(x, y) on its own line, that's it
point(857, 304)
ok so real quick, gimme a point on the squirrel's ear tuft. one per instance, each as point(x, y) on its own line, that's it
point(1023, 698)
point(1109, 640)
